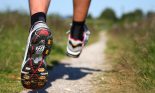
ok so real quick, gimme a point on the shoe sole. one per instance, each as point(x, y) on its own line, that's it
point(34, 73)
point(73, 56)
point(69, 53)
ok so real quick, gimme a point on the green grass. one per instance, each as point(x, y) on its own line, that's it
point(131, 50)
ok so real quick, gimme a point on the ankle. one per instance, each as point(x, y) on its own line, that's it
point(77, 30)
point(40, 16)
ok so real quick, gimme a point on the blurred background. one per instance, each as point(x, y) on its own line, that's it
point(130, 27)
point(96, 8)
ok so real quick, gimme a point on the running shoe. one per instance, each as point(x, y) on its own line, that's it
point(33, 71)
point(75, 46)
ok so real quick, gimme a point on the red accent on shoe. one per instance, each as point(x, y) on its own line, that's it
point(43, 32)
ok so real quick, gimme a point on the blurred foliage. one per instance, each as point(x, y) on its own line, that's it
point(89, 16)
point(108, 14)
point(150, 14)
point(131, 47)
point(132, 16)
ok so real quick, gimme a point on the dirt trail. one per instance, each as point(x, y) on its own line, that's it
point(76, 75)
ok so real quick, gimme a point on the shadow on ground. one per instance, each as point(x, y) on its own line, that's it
point(61, 70)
